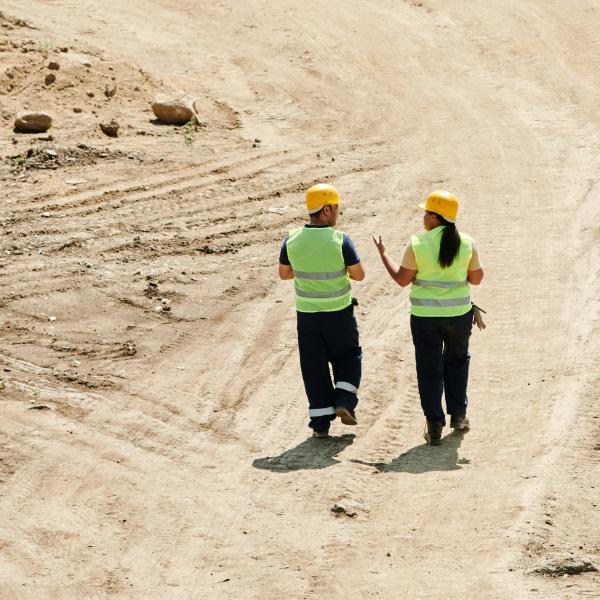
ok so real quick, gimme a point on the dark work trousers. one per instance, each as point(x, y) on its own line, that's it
point(326, 338)
point(442, 356)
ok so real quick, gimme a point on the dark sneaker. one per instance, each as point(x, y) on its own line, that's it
point(460, 423)
point(321, 434)
point(346, 415)
point(433, 432)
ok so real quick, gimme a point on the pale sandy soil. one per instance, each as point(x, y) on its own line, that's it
point(174, 461)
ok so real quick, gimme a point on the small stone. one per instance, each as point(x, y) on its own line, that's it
point(46, 215)
point(32, 122)
point(52, 318)
point(64, 49)
point(90, 94)
point(340, 510)
point(53, 66)
point(38, 407)
point(158, 309)
point(50, 79)
point(111, 129)
point(76, 109)
point(257, 140)
point(110, 91)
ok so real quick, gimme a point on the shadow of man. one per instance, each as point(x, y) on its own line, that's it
point(424, 458)
point(312, 453)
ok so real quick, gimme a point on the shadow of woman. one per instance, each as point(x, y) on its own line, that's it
point(424, 458)
point(312, 453)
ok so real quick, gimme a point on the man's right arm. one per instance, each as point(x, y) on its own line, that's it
point(352, 260)
point(285, 272)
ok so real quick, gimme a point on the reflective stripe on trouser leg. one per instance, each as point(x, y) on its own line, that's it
point(321, 412)
point(344, 385)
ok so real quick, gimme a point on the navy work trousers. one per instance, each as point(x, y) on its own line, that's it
point(326, 338)
point(442, 357)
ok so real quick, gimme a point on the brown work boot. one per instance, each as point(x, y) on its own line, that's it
point(433, 432)
point(346, 415)
point(460, 423)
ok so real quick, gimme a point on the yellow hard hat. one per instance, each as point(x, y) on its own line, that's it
point(442, 203)
point(319, 195)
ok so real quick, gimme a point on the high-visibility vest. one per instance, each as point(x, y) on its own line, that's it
point(320, 276)
point(438, 291)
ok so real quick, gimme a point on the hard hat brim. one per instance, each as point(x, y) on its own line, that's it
point(447, 219)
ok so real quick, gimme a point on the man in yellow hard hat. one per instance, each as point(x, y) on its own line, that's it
point(440, 264)
point(321, 260)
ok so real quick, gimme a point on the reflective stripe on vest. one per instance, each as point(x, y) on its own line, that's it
point(439, 291)
point(321, 279)
point(319, 276)
point(333, 294)
point(450, 302)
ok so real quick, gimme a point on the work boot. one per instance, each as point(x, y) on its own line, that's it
point(346, 415)
point(460, 423)
point(320, 434)
point(433, 432)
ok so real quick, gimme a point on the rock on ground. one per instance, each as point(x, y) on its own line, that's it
point(565, 565)
point(32, 122)
point(173, 110)
point(111, 129)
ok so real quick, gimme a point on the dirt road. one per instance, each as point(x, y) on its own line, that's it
point(147, 454)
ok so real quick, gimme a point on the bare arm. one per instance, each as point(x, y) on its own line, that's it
point(474, 277)
point(285, 272)
point(356, 272)
point(399, 274)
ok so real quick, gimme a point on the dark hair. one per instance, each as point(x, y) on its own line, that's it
point(317, 214)
point(450, 244)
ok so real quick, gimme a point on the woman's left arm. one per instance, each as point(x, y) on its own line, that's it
point(401, 275)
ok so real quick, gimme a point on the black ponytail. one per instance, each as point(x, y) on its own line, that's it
point(450, 244)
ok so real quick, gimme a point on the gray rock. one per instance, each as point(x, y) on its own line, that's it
point(32, 122)
point(342, 510)
point(558, 566)
point(110, 90)
point(173, 110)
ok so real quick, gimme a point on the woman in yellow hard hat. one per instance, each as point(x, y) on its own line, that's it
point(440, 264)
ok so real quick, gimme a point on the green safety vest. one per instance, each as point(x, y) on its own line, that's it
point(435, 291)
point(320, 275)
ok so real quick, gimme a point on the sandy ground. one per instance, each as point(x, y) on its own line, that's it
point(154, 455)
